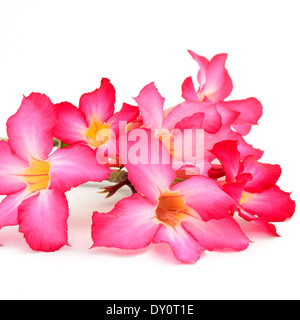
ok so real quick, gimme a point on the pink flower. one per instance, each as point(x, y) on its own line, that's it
point(253, 186)
point(215, 86)
point(35, 180)
point(191, 216)
point(95, 122)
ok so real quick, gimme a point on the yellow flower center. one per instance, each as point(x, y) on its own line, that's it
point(37, 176)
point(97, 134)
point(171, 209)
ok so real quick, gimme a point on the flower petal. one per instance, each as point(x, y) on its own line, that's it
point(71, 124)
point(273, 205)
point(152, 173)
point(130, 225)
point(184, 246)
point(229, 156)
point(188, 90)
point(30, 130)
point(127, 114)
point(217, 234)
point(151, 104)
point(206, 197)
point(9, 208)
point(99, 104)
point(43, 220)
point(75, 165)
point(264, 175)
point(10, 167)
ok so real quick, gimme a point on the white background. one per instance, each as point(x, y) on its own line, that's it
point(63, 49)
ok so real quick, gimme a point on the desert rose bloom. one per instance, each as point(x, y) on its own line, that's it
point(95, 122)
point(35, 180)
point(215, 86)
point(191, 216)
point(252, 185)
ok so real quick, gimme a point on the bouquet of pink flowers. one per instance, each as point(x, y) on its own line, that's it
point(189, 167)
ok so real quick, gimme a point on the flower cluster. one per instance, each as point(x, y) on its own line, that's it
point(189, 167)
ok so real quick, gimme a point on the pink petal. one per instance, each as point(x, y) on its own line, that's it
point(206, 197)
point(250, 110)
point(188, 90)
point(99, 104)
point(75, 165)
point(217, 234)
point(9, 208)
point(130, 225)
point(151, 104)
point(184, 246)
point(264, 175)
point(127, 114)
point(203, 64)
point(71, 124)
point(212, 121)
point(10, 167)
point(153, 174)
point(192, 122)
point(30, 130)
point(43, 221)
point(273, 205)
point(218, 85)
point(227, 153)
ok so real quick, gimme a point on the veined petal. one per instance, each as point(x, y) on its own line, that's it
point(75, 165)
point(9, 208)
point(264, 175)
point(203, 65)
point(43, 220)
point(206, 197)
point(184, 246)
point(130, 225)
point(218, 85)
point(30, 130)
point(71, 124)
point(151, 104)
point(99, 104)
point(188, 90)
point(10, 167)
point(229, 156)
point(273, 205)
point(217, 234)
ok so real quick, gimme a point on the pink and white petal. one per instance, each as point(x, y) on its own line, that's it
point(99, 104)
point(274, 205)
point(9, 208)
point(203, 65)
point(188, 90)
point(71, 124)
point(30, 130)
point(151, 104)
point(217, 234)
point(43, 220)
point(148, 162)
point(73, 166)
point(218, 85)
point(206, 197)
point(130, 225)
point(250, 110)
point(185, 248)
point(227, 153)
point(107, 153)
point(10, 169)
point(264, 175)
point(120, 119)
